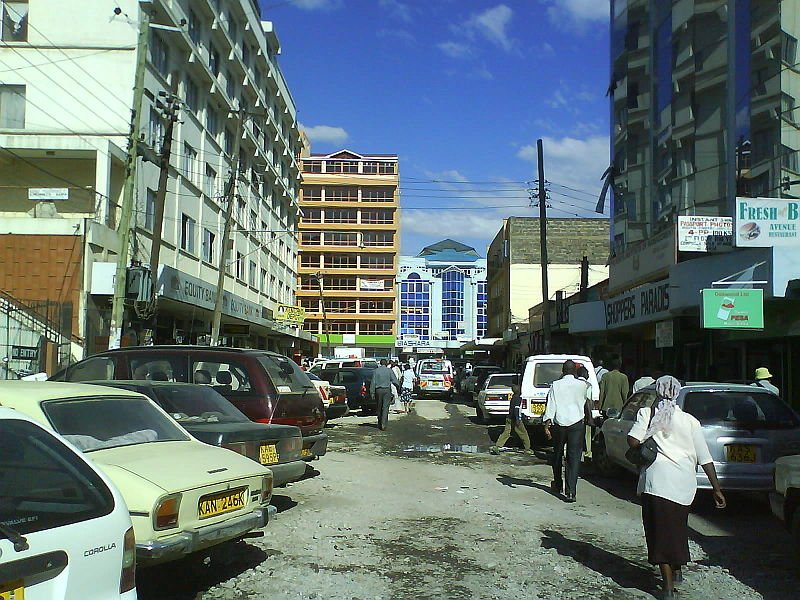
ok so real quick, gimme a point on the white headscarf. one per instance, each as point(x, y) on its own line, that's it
point(667, 390)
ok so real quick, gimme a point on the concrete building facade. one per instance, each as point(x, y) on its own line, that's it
point(65, 107)
point(442, 297)
point(349, 241)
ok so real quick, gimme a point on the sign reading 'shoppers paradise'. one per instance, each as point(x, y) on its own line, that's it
point(293, 314)
point(733, 309)
point(767, 222)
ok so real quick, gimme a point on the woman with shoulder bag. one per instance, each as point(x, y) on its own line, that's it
point(667, 485)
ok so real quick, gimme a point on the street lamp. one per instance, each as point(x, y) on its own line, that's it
point(318, 277)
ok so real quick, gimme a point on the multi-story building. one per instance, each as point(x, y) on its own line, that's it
point(65, 107)
point(704, 111)
point(349, 238)
point(442, 297)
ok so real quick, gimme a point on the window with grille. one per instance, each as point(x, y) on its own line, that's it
point(377, 194)
point(310, 304)
point(312, 193)
point(377, 306)
point(336, 305)
point(387, 168)
point(341, 194)
point(309, 260)
point(239, 266)
point(789, 159)
point(213, 61)
point(159, 54)
point(195, 28)
point(334, 215)
point(188, 225)
point(378, 238)
point(311, 238)
point(192, 94)
point(312, 166)
point(333, 238)
point(311, 215)
point(376, 327)
point(377, 261)
point(341, 261)
point(341, 327)
point(209, 238)
point(338, 283)
point(377, 217)
point(369, 168)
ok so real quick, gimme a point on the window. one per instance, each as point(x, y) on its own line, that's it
point(377, 194)
point(415, 301)
point(369, 168)
point(377, 238)
point(340, 261)
point(43, 484)
point(633, 95)
point(192, 94)
point(341, 239)
point(376, 327)
point(788, 50)
point(311, 215)
point(264, 281)
point(213, 61)
point(230, 85)
point(239, 266)
point(253, 222)
point(376, 306)
point(341, 327)
point(212, 121)
point(15, 21)
point(309, 260)
point(150, 210)
point(312, 193)
point(263, 233)
point(482, 321)
point(453, 303)
point(92, 369)
point(335, 215)
point(253, 274)
point(312, 166)
point(310, 304)
point(12, 106)
point(210, 181)
point(159, 54)
point(187, 233)
point(209, 237)
point(377, 217)
point(377, 261)
point(746, 410)
point(233, 30)
point(189, 162)
point(788, 105)
point(341, 194)
point(338, 283)
point(789, 159)
point(155, 131)
point(246, 56)
point(387, 168)
point(311, 238)
point(336, 305)
point(339, 166)
point(226, 377)
point(195, 27)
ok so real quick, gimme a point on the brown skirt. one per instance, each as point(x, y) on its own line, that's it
point(666, 529)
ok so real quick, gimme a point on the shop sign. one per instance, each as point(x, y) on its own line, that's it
point(24, 353)
point(235, 329)
point(704, 234)
point(733, 309)
point(767, 222)
point(665, 334)
point(640, 263)
point(429, 351)
point(411, 338)
point(644, 304)
point(48, 194)
point(372, 284)
point(290, 313)
point(349, 338)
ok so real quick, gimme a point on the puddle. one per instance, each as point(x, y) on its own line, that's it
point(443, 448)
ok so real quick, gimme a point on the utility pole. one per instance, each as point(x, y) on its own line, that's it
point(543, 242)
point(584, 289)
point(230, 196)
point(318, 277)
point(129, 190)
point(171, 106)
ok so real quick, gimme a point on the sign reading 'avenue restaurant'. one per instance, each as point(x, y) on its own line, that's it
point(767, 222)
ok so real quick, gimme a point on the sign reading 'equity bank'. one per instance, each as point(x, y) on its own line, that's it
point(767, 222)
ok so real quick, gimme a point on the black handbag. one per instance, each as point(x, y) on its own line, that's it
point(645, 453)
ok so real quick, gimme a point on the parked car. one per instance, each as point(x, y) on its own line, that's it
point(475, 380)
point(66, 531)
point(334, 397)
point(356, 381)
point(540, 373)
point(338, 363)
point(434, 378)
point(267, 387)
point(183, 496)
point(494, 398)
point(785, 498)
point(212, 419)
point(746, 428)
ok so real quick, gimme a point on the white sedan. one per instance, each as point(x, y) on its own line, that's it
point(183, 495)
point(65, 531)
point(494, 398)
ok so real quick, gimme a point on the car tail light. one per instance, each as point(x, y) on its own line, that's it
point(127, 579)
point(448, 378)
point(238, 447)
point(363, 390)
point(166, 513)
point(266, 489)
point(523, 404)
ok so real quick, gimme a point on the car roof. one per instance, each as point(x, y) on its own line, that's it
point(699, 386)
point(143, 383)
point(555, 357)
point(17, 392)
point(184, 348)
point(504, 375)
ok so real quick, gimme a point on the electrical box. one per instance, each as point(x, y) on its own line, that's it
point(139, 284)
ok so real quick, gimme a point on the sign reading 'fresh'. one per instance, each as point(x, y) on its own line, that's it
point(767, 222)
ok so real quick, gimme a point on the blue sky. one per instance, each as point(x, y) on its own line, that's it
point(460, 90)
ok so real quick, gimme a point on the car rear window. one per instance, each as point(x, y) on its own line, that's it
point(435, 367)
point(544, 374)
point(43, 484)
point(108, 422)
point(286, 376)
point(189, 404)
point(755, 410)
point(498, 381)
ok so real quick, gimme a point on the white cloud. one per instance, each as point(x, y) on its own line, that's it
point(317, 4)
point(396, 9)
point(455, 49)
point(482, 73)
point(325, 134)
point(577, 163)
point(492, 24)
point(578, 12)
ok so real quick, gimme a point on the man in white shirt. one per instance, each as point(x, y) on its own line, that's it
point(599, 370)
point(568, 405)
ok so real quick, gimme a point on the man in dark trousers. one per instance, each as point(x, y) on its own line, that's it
point(513, 423)
point(381, 389)
point(568, 406)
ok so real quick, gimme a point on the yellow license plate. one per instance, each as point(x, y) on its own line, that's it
point(13, 590)
point(305, 453)
point(221, 503)
point(537, 408)
point(268, 454)
point(741, 453)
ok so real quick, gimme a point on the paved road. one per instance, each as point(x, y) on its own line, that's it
point(422, 510)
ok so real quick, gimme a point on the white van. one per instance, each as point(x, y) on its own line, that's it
point(65, 529)
point(540, 372)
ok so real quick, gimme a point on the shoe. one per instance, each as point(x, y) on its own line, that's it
point(570, 498)
point(668, 595)
point(677, 577)
point(529, 451)
point(555, 487)
point(494, 450)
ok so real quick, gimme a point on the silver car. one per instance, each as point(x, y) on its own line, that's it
point(746, 429)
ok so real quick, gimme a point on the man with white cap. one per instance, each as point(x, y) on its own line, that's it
point(763, 377)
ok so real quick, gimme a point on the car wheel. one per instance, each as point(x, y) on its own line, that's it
point(601, 459)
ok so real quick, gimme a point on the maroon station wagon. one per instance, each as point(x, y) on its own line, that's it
point(266, 386)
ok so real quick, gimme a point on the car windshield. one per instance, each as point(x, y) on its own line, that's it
point(197, 404)
point(435, 367)
point(499, 381)
point(754, 410)
point(43, 484)
point(544, 374)
point(108, 422)
point(285, 374)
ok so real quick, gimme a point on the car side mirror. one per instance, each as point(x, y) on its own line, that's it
point(612, 413)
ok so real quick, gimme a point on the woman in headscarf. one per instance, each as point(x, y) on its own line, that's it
point(668, 486)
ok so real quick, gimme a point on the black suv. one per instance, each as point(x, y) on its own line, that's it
point(356, 381)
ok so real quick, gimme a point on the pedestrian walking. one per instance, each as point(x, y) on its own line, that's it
point(599, 369)
point(513, 423)
point(668, 485)
point(583, 375)
point(614, 388)
point(383, 379)
point(407, 387)
point(763, 379)
point(398, 373)
point(568, 408)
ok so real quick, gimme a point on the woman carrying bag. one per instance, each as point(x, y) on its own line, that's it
point(667, 485)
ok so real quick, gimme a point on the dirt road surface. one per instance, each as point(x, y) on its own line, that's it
point(423, 510)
